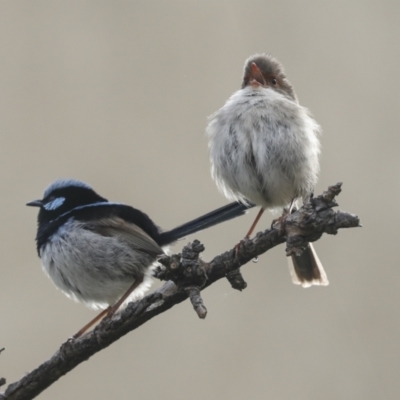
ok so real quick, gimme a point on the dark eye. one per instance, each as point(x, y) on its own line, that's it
point(274, 81)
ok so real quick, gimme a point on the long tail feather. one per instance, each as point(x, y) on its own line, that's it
point(307, 269)
point(215, 217)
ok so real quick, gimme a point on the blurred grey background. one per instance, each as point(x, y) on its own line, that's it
point(117, 94)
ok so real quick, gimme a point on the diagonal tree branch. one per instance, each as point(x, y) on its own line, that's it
point(187, 275)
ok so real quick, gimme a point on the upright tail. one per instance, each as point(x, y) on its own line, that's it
point(307, 269)
point(215, 217)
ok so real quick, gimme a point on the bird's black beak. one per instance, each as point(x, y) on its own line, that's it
point(35, 203)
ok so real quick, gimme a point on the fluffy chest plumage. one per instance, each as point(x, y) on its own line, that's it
point(264, 148)
point(91, 267)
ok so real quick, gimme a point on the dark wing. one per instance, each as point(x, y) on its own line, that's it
point(135, 237)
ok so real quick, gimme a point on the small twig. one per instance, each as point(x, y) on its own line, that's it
point(196, 300)
point(236, 280)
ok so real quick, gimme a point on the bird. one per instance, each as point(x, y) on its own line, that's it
point(101, 253)
point(264, 148)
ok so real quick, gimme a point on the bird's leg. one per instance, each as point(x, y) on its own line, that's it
point(115, 307)
point(91, 323)
point(291, 206)
point(109, 311)
point(253, 226)
point(283, 217)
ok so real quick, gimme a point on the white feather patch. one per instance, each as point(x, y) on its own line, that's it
point(52, 205)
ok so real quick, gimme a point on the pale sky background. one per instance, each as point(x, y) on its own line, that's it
point(117, 94)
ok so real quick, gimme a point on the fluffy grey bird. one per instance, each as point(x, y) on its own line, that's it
point(264, 149)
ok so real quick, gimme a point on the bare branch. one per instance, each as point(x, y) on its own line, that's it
point(187, 275)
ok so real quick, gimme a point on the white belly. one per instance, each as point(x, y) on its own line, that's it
point(263, 148)
point(92, 268)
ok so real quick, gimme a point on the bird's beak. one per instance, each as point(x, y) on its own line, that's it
point(35, 203)
point(256, 77)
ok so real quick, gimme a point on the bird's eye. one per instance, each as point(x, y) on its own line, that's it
point(274, 81)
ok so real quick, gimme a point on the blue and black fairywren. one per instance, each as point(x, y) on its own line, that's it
point(101, 253)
